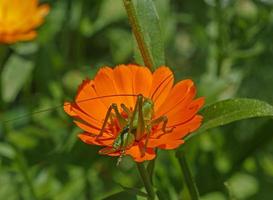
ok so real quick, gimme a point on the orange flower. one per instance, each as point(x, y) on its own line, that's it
point(19, 18)
point(122, 85)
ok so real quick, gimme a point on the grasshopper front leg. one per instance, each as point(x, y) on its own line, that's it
point(122, 122)
point(107, 116)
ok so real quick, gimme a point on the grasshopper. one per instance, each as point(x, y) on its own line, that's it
point(134, 125)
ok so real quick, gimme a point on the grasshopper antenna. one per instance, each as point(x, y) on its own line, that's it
point(62, 105)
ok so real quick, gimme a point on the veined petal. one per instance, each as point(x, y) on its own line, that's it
point(182, 115)
point(142, 80)
point(180, 95)
point(164, 143)
point(88, 101)
point(161, 86)
point(123, 80)
point(88, 139)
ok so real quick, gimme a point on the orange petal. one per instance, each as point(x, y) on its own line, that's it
point(182, 115)
point(164, 143)
point(85, 100)
point(161, 86)
point(68, 109)
point(123, 77)
point(12, 38)
point(75, 111)
point(181, 94)
point(117, 153)
point(105, 85)
point(88, 139)
point(136, 154)
point(184, 129)
point(88, 128)
point(142, 80)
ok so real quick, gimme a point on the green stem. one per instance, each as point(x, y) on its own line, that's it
point(24, 171)
point(188, 176)
point(146, 180)
point(131, 12)
point(150, 168)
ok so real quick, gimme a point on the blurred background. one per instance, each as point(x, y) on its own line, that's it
point(226, 46)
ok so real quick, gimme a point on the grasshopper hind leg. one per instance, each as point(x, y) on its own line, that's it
point(163, 119)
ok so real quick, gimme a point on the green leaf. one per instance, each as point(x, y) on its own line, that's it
point(146, 27)
point(150, 27)
point(227, 111)
point(14, 75)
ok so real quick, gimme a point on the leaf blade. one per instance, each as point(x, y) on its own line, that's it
point(227, 111)
point(145, 24)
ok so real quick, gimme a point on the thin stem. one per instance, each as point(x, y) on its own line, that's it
point(146, 180)
point(131, 12)
point(188, 176)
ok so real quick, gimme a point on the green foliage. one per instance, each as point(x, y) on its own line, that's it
point(227, 111)
point(225, 46)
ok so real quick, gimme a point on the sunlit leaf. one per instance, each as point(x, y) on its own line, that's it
point(14, 76)
point(227, 111)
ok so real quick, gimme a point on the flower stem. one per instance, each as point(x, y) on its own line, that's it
point(151, 167)
point(132, 15)
point(188, 176)
point(146, 180)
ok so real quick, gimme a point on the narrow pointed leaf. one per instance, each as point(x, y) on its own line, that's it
point(146, 27)
point(227, 111)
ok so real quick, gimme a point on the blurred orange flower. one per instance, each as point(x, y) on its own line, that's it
point(174, 102)
point(19, 18)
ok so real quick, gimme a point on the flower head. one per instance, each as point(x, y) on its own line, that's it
point(18, 19)
point(169, 111)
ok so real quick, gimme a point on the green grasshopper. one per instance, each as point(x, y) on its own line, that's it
point(137, 124)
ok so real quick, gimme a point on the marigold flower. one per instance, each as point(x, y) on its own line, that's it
point(18, 19)
point(121, 86)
